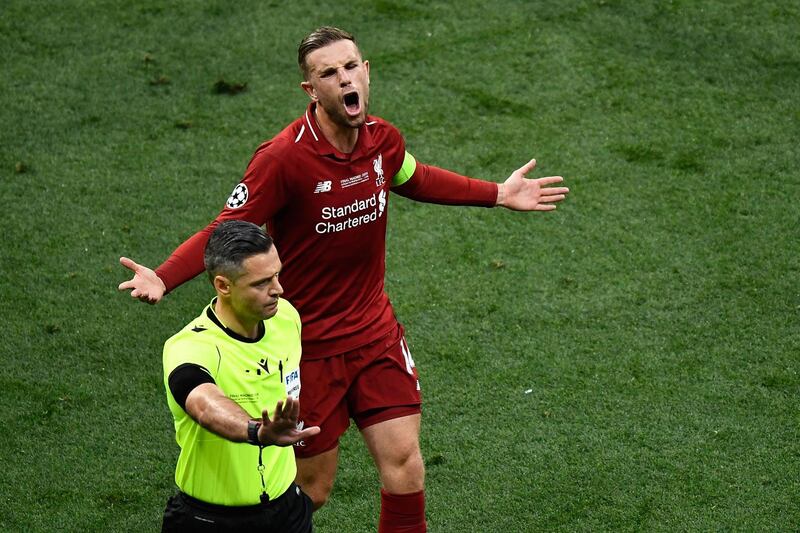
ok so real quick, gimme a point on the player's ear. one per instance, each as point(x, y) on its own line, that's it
point(309, 90)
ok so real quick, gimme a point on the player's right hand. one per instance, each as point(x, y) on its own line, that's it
point(145, 284)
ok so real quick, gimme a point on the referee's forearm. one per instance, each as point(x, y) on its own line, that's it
point(217, 413)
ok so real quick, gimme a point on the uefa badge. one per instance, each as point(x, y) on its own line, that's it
point(238, 197)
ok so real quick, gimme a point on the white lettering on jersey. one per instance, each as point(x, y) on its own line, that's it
point(323, 186)
point(349, 209)
point(354, 180)
point(341, 218)
point(381, 202)
point(238, 197)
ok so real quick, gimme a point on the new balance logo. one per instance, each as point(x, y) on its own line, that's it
point(322, 186)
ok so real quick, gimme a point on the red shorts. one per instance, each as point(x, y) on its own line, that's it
point(371, 384)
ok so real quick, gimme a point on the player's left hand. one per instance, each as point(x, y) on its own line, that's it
point(530, 194)
point(282, 429)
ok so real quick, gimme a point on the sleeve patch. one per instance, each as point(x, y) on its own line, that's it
point(238, 197)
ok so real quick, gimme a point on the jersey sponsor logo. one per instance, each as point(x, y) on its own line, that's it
point(377, 166)
point(238, 197)
point(322, 186)
point(357, 213)
point(381, 203)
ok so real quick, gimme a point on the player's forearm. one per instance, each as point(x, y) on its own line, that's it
point(440, 186)
point(501, 195)
point(186, 262)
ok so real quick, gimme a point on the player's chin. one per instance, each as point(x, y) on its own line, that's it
point(357, 122)
point(346, 121)
point(355, 116)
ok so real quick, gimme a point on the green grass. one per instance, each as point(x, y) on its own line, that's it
point(628, 362)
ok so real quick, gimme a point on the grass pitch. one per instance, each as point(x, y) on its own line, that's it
point(628, 362)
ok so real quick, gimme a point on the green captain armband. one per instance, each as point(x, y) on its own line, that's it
point(406, 171)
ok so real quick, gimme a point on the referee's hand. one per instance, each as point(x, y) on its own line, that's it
point(282, 429)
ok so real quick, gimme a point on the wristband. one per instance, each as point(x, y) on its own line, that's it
point(252, 432)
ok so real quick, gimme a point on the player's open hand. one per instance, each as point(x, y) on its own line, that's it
point(282, 429)
point(145, 284)
point(530, 194)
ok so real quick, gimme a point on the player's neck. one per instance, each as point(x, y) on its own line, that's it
point(343, 138)
point(229, 319)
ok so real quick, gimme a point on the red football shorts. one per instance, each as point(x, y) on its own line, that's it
point(371, 384)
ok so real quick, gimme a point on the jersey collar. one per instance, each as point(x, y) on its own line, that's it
point(363, 146)
point(229, 332)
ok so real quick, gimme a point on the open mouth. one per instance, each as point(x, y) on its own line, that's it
point(352, 103)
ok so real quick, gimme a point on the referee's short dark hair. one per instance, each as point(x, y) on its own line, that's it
point(231, 242)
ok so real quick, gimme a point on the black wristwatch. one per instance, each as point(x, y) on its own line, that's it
point(252, 432)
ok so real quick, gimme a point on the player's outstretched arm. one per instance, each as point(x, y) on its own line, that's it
point(530, 194)
point(282, 429)
point(145, 284)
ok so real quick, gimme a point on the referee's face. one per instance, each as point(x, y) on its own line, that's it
point(338, 80)
point(254, 295)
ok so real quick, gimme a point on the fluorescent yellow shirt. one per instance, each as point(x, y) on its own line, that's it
point(256, 374)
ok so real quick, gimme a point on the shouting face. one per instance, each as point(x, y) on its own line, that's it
point(338, 80)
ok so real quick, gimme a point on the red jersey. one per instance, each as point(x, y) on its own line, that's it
point(327, 212)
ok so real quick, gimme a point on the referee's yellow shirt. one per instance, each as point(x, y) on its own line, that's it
point(256, 374)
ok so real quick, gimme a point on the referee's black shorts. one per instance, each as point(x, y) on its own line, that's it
point(288, 513)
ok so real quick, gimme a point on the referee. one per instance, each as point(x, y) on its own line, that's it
point(233, 384)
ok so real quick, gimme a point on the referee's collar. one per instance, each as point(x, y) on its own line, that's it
point(229, 332)
point(364, 143)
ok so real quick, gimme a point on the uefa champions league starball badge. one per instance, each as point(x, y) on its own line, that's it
point(238, 197)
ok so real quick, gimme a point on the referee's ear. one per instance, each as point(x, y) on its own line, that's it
point(222, 285)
